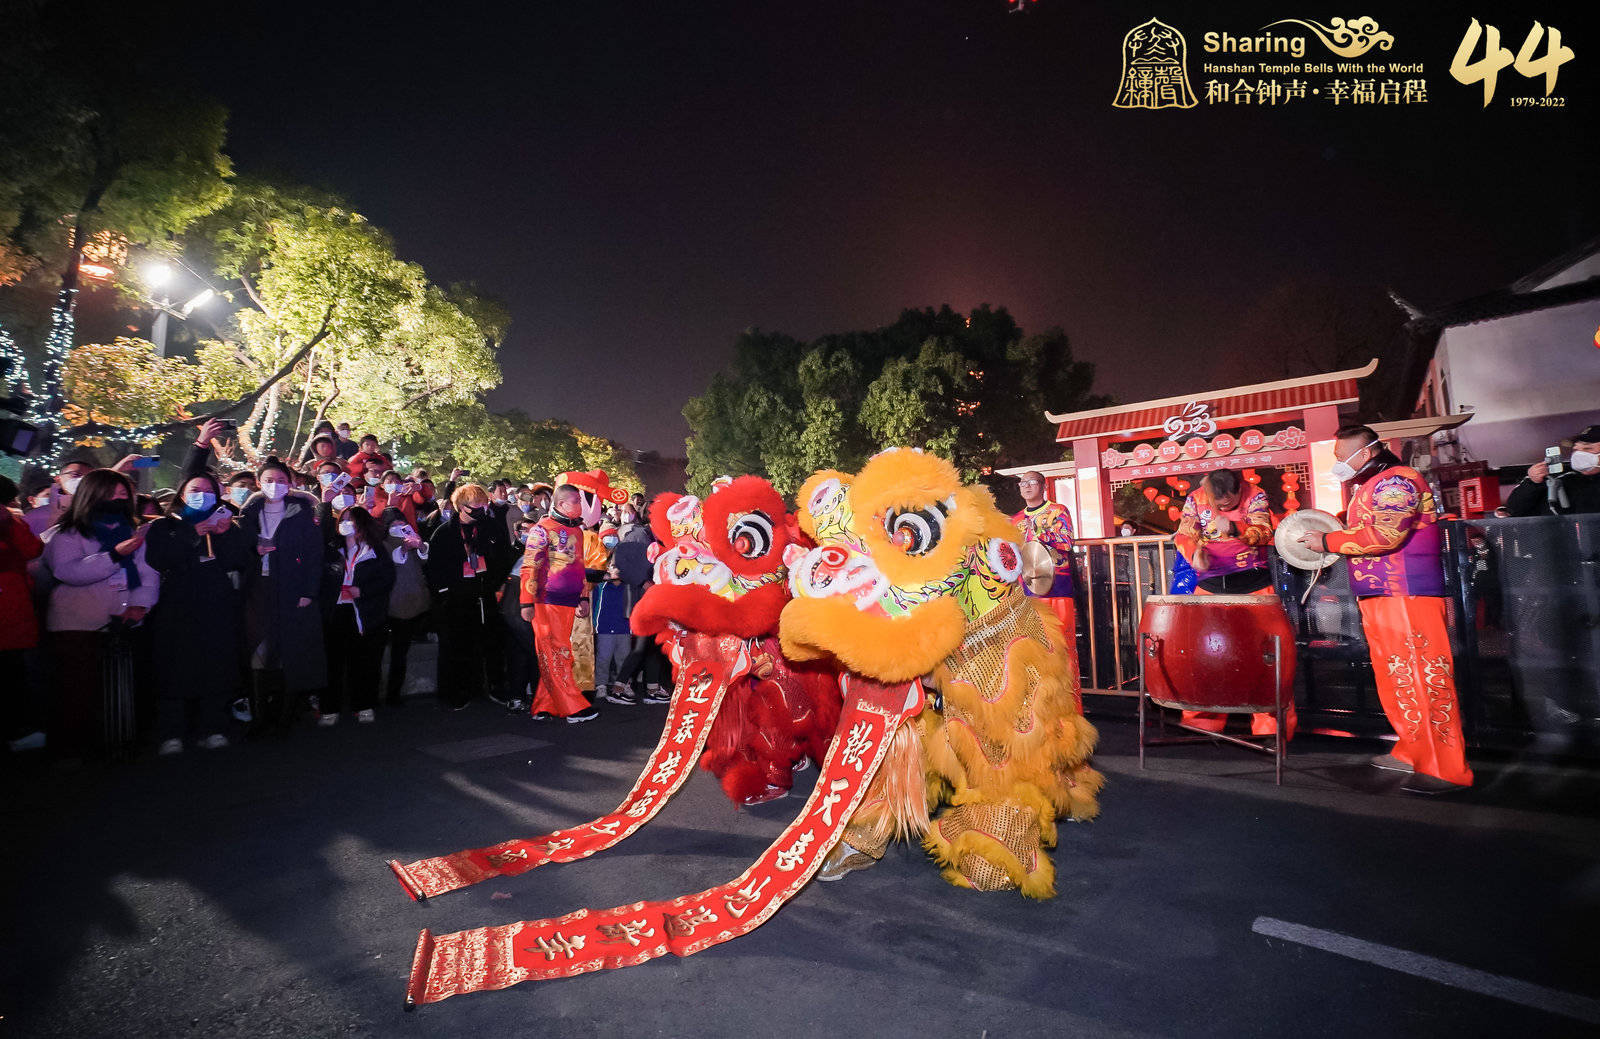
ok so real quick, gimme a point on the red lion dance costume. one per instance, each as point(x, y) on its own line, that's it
point(722, 575)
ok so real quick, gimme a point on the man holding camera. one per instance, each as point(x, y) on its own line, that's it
point(1576, 490)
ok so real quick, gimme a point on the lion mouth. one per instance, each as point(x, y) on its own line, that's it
point(688, 567)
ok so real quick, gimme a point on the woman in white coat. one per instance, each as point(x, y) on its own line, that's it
point(96, 557)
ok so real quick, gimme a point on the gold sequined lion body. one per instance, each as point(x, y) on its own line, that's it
point(914, 577)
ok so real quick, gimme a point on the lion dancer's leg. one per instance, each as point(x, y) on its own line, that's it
point(1015, 751)
point(895, 804)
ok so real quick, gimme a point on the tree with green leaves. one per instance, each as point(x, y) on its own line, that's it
point(87, 158)
point(972, 388)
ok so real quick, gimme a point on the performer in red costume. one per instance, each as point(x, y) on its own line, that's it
point(554, 594)
point(1049, 524)
point(723, 574)
point(1223, 533)
point(1393, 539)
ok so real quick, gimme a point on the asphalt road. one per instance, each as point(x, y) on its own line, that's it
point(242, 892)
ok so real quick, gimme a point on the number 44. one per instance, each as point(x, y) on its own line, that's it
point(1495, 57)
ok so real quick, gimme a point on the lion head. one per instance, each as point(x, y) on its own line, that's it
point(906, 558)
point(722, 570)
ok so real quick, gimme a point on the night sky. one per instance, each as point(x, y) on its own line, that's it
point(640, 181)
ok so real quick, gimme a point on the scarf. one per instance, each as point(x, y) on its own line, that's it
point(110, 531)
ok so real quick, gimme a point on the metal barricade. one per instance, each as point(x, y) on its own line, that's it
point(1523, 605)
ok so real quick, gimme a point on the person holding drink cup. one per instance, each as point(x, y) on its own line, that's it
point(201, 555)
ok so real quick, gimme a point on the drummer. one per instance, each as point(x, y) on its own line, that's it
point(1392, 536)
point(1049, 525)
point(1223, 534)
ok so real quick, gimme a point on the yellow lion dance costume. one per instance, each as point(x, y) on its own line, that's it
point(914, 578)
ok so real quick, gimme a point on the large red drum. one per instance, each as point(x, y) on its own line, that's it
point(1215, 652)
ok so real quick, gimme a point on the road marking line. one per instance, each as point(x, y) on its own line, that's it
point(1444, 972)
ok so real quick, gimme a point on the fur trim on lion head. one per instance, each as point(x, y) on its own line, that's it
point(722, 570)
point(906, 558)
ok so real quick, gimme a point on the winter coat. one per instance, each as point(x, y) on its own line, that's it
point(19, 624)
point(447, 553)
point(297, 574)
point(373, 574)
point(91, 586)
point(631, 557)
point(201, 608)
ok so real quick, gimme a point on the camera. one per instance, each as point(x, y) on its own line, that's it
point(1552, 461)
point(17, 437)
point(228, 425)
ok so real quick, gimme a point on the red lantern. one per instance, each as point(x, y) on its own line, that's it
point(1150, 493)
point(1174, 513)
point(1163, 501)
point(1251, 477)
point(1183, 486)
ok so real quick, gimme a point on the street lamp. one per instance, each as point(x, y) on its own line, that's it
point(159, 276)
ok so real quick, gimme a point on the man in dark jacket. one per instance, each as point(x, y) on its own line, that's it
point(469, 555)
point(1575, 491)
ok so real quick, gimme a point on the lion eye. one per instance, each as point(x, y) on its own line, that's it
point(918, 531)
point(751, 535)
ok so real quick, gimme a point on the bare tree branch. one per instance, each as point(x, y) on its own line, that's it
point(104, 429)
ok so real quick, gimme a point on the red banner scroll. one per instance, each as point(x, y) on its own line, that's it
point(707, 665)
point(589, 940)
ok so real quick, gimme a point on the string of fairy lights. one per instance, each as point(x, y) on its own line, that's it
point(44, 402)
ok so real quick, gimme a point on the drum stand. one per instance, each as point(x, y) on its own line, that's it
point(1276, 745)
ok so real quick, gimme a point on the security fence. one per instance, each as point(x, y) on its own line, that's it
point(1524, 612)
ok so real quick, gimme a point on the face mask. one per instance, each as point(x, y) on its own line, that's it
point(111, 508)
point(40, 501)
point(570, 509)
point(527, 510)
point(274, 491)
point(1584, 460)
point(1341, 469)
point(239, 494)
point(390, 488)
point(343, 501)
point(373, 481)
point(344, 434)
point(609, 542)
point(346, 527)
point(69, 484)
point(628, 517)
point(197, 500)
point(326, 478)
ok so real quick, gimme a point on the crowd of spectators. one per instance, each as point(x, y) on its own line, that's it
point(252, 603)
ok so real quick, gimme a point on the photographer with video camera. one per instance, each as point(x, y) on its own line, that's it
point(1562, 488)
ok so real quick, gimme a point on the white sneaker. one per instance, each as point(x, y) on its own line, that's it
point(366, 716)
point(328, 719)
point(170, 747)
point(32, 741)
point(215, 741)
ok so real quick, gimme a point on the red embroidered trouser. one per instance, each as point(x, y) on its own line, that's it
point(1066, 608)
point(558, 692)
point(1261, 723)
point(1415, 673)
